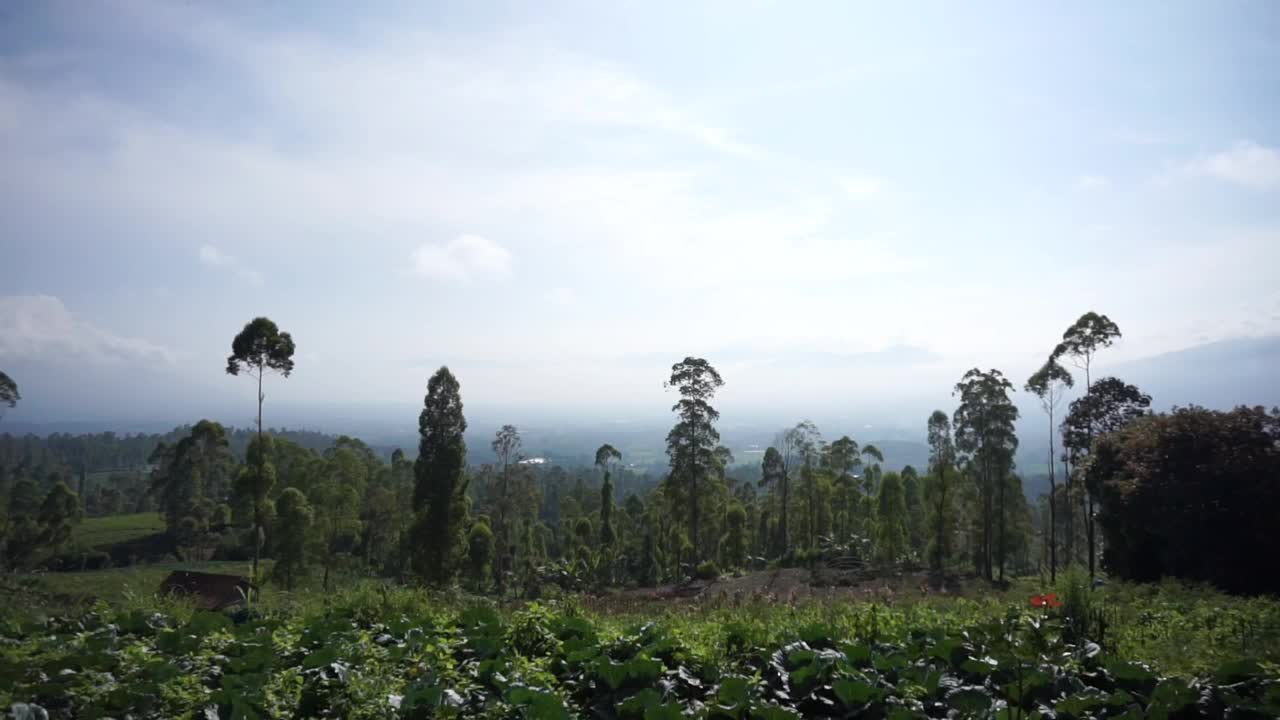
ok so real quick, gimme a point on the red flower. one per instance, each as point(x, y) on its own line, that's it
point(1050, 601)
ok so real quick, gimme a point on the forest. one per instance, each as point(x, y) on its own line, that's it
point(1135, 497)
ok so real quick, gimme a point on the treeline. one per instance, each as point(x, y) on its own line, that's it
point(513, 527)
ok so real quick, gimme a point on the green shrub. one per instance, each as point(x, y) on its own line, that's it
point(707, 570)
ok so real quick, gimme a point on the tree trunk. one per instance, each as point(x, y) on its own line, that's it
point(1089, 529)
point(1070, 510)
point(1053, 490)
point(1001, 549)
point(782, 519)
point(262, 458)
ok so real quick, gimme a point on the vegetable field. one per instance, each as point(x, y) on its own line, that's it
point(385, 654)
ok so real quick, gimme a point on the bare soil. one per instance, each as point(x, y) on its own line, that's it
point(795, 585)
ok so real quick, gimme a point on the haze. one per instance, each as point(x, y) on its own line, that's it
point(843, 208)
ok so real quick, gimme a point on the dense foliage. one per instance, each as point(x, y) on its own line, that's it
point(396, 655)
point(1195, 494)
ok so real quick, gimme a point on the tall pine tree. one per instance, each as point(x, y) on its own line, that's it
point(439, 483)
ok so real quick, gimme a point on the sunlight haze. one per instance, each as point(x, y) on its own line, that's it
point(842, 206)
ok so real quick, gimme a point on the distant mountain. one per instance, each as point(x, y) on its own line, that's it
point(1220, 375)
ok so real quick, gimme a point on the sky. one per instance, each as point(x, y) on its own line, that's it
point(842, 206)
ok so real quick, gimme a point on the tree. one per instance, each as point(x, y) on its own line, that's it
point(1089, 334)
point(8, 392)
point(1192, 494)
point(194, 468)
point(439, 486)
point(891, 519)
point(506, 447)
point(60, 511)
point(605, 455)
point(984, 428)
point(873, 459)
point(252, 488)
point(258, 349)
point(733, 546)
point(294, 518)
point(336, 497)
point(773, 473)
point(1050, 383)
point(914, 500)
point(942, 458)
point(1109, 406)
point(692, 441)
point(843, 459)
point(479, 552)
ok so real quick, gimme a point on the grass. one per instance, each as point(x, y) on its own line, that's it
point(103, 531)
point(52, 593)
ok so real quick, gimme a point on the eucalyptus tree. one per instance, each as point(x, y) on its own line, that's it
point(843, 460)
point(871, 467)
point(606, 456)
point(260, 348)
point(891, 519)
point(253, 487)
point(506, 447)
point(692, 442)
point(1110, 406)
point(773, 474)
point(939, 491)
point(984, 428)
point(1086, 336)
point(1050, 383)
point(8, 392)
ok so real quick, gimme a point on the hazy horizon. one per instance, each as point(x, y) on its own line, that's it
point(843, 208)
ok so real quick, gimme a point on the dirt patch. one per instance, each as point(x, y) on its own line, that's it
point(791, 586)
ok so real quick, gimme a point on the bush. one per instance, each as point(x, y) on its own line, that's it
point(1192, 494)
point(706, 570)
point(1077, 607)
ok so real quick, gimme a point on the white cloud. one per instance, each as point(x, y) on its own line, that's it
point(40, 326)
point(861, 186)
point(562, 296)
point(210, 255)
point(1246, 164)
point(1092, 182)
point(462, 258)
point(213, 257)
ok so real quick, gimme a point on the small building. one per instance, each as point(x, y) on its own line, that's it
point(209, 591)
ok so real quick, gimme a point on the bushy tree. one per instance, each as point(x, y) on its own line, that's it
point(9, 394)
point(733, 546)
point(984, 429)
point(891, 519)
point(479, 553)
point(293, 524)
point(1192, 494)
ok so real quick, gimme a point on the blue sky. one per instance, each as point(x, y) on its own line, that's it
point(559, 200)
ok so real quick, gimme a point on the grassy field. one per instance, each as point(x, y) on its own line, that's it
point(102, 531)
point(52, 593)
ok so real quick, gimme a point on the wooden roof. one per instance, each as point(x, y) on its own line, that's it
point(211, 591)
